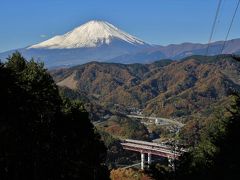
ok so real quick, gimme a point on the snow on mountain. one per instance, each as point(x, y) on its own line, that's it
point(89, 35)
point(102, 41)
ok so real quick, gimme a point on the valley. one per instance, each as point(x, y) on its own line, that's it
point(120, 97)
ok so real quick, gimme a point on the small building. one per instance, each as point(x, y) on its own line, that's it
point(158, 121)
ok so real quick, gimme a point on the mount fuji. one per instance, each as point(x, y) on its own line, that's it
point(90, 35)
point(102, 41)
point(92, 41)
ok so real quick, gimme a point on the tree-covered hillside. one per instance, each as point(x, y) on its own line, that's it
point(164, 88)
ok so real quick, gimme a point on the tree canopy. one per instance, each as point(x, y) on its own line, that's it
point(44, 135)
point(216, 155)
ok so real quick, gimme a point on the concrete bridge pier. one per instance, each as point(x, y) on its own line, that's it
point(142, 160)
point(171, 163)
point(149, 159)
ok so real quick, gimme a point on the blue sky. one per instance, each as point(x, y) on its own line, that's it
point(26, 22)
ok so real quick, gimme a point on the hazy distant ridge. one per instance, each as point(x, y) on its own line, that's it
point(102, 41)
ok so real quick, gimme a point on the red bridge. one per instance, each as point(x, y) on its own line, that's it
point(151, 149)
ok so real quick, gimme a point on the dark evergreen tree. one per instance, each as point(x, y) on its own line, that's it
point(43, 136)
point(217, 154)
point(227, 161)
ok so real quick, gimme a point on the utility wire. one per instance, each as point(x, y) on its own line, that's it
point(219, 17)
point(230, 27)
point(214, 25)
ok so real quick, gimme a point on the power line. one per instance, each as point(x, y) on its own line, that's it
point(214, 25)
point(219, 16)
point(230, 27)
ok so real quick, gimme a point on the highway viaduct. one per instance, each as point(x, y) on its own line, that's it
point(150, 149)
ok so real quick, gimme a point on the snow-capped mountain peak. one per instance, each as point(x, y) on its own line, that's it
point(91, 34)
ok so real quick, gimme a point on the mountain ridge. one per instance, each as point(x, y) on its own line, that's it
point(165, 88)
point(103, 42)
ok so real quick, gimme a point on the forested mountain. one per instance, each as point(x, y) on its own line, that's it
point(47, 136)
point(164, 88)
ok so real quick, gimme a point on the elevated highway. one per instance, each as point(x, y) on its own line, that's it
point(150, 149)
point(170, 121)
